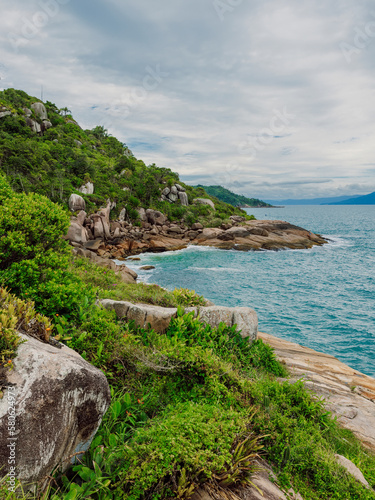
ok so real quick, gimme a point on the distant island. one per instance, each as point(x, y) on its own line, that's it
point(237, 200)
point(313, 201)
point(368, 199)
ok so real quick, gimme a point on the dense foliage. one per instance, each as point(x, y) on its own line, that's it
point(62, 159)
point(237, 200)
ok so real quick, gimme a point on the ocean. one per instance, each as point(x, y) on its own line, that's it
point(322, 298)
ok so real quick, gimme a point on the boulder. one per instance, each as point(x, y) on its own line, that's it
point(352, 469)
point(59, 401)
point(87, 188)
point(77, 233)
point(184, 198)
point(173, 197)
point(40, 110)
point(76, 203)
point(155, 217)
point(122, 215)
point(27, 112)
point(46, 124)
point(204, 201)
point(238, 232)
point(100, 226)
point(246, 320)
point(34, 125)
point(237, 218)
point(210, 233)
point(196, 226)
point(142, 214)
point(81, 217)
point(180, 188)
point(77, 142)
point(174, 190)
point(165, 191)
point(3, 114)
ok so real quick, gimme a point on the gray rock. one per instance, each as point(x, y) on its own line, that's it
point(204, 201)
point(81, 217)
point(77, 233)
point(352, 469)
point(76, 202)
point(35, 126)
point(87, 188)
point(174, 190)
point(3, 114)
point(40, 110)
point(184, 198)
point(238, 232)
point(27, 112)
point(155, 217)
point(122, 215)
point(173, 197)
point(46, 125)
point(159, 317)
point(166, 191)
point(60, 400)
point(180, 188)
point(246, 320)
point(142, 214)
point(77, 142)
point(100, 226)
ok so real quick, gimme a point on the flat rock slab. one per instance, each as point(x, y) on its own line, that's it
point(349, 394)
point(159, 317)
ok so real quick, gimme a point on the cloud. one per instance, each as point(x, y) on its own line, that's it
point(203, 95)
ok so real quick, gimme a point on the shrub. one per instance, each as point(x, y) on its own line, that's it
point(29, 226)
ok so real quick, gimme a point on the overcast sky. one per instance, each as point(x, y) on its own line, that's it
point(270, 98)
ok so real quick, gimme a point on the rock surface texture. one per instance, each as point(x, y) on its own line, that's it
point(59, 402)
point(349, 394)
point(160, 317)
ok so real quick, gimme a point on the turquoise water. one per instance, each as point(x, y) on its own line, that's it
point(322, 298)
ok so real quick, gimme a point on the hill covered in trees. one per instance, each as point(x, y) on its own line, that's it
point(45, 151)
point(237, 200)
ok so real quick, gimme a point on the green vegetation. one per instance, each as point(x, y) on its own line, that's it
point(62, 159)
point(196, 405)
point(237, 200)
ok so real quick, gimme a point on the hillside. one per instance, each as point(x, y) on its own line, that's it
point(368, 199)
point(44, 150)
point(237, 200)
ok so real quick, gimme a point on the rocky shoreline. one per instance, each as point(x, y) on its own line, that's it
point(98, 238)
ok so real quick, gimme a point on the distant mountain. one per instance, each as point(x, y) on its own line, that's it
point(368, 199)
point(314, 201)
point(237, 200)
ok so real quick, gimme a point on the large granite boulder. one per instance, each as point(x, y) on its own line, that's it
point(76, 203)
point(183, 198)
point(76, 233)
point(155, 217)
point(40, 110)
point(52, 407)
point(204, 201)
point(87, 188)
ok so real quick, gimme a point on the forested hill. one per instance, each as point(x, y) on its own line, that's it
point(44, 150)
point(236, 200)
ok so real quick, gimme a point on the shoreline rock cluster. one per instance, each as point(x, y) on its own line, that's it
point(121, 239)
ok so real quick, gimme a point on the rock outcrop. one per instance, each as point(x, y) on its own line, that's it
point(53, 404)
point(159, 317)
point(204, 201)
point(76, 203)
point(87, 188)
point(349, 394)
point(174, 193)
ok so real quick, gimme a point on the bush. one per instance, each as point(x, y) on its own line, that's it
point(29, 226)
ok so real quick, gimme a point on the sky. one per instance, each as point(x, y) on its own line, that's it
point(271, 99)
